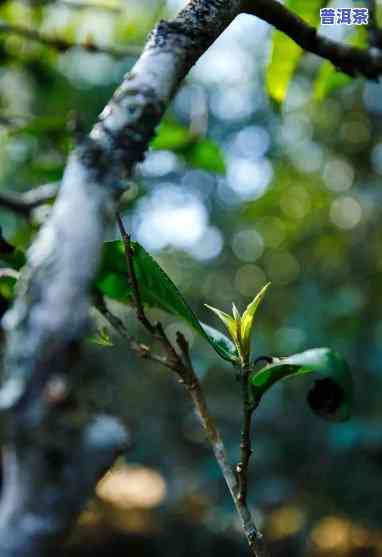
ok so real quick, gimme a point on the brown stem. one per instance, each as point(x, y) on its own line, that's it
point(254, 537)
point(188, 377)
point(181, 363)
point(245, 442)
point(132, 277)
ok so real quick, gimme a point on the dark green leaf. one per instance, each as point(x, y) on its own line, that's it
point(9, 254)
point(331, 396)
point(102, 338)
point(7, 284)
point(156, 290)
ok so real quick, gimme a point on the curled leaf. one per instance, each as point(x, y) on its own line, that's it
point(332, 394)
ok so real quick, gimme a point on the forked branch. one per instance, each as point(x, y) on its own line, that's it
point(180, 361)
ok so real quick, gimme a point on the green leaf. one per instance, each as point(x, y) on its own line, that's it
point(199, 152)
point(286, 53)
point(172, 137)
point(102, 338)
point(229, 321)
point(156, 290)
point(226, 348)
point(8, 279)
point(207, 155)
point(329, 78)
point(248, 317)
point(9, 254)
point(331, 396)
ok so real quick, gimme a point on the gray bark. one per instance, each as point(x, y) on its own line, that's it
point(52, 459)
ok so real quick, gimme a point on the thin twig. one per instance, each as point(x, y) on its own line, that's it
point(181, 363)
point(155, 330)
point(188, 377)
point(63, 45)
point(245, 441)
point(249, 406)
point(24, 203)
point(118, 325)
point(132, 278)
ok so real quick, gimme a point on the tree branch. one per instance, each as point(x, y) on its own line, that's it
point(374, 31)
point(62, 45)
point(50, 315)
point(24, 203)
point(183, 367)
point(351, 60)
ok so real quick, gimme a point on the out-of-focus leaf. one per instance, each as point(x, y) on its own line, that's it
point(8, 279)
point(171, 137)
point(206, 154)
point(5, 247)
point(9, 254)
point(156, 290)
point(102, 338)
point(199, 152)
point(329, 78)
point(331, 395)
point(286, 53)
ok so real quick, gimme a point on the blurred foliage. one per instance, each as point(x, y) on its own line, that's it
point(197, 152)
point(297, 203)
point(285, 52)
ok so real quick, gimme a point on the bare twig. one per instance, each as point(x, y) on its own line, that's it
point(24, 203)
point(351, 60)
point(245, 442)
point(63, 45)
point(132, 278)
point(249, 407)
point(187, 376)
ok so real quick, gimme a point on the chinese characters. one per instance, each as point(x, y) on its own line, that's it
point(344, 16)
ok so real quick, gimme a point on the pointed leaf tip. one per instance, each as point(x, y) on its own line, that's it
point(228, 321)
point(249, 315)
